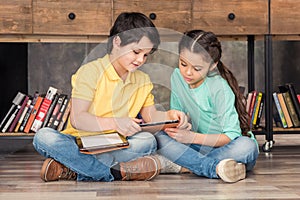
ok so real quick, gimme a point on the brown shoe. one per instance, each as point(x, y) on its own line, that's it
point(54, 171)
point(142, 169)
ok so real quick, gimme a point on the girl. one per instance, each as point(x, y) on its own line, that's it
point(220, 143)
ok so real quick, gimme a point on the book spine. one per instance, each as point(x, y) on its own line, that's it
point(298, 97)
point(256, 110)
point(40, 117)
point(50, 111)
point(291, 109)
point(260, 112)
point(65, 116)
point(280, 113)
point(17, 128)
point(248, 102)
point(294, 99)
point(11, 118)
point(37, 123)
point(33, 114)
point(15, 121)
point(285, 110)
point(16, 101)
point(55, 123)
point(253, 100)
point(26, 118)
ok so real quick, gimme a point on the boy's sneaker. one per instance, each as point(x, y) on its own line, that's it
point(167, 166)
point(230, 171)
point(141, 169)
point(54, 171)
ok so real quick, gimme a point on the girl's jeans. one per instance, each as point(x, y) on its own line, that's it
point(63, 148)
point(202, 160)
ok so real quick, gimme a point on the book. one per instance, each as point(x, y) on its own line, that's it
point(21, 118)
point(256, 108)
point(251, 106)
point(33, 113)
point(50, 110)
point(56, 111)
point(248, 102)
point(289, 104)
point(298, 97)
point(57, 118)
point(65, 117)
point(279, 110)
point(18, 115)
point(260, 111)
point(285, 110)
point(101, 142)
point(40, 117)
point(294, 98)
point(27, 115)
point(16, 105)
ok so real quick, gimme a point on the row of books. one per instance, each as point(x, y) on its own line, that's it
point(287, 106)
point(30, 113)
point(254, 107)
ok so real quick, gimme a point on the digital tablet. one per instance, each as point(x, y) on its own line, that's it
point(157, 126)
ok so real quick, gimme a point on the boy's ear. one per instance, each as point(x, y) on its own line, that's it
point(117, 41)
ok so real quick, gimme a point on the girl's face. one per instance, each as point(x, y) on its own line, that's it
point(131, 56)
point(193, 67)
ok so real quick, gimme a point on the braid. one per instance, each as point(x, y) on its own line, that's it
point(239, 97)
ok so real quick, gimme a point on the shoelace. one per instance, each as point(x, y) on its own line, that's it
point(67, 174)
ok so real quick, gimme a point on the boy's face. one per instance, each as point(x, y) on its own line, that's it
point(132, 56)
point(193, 67)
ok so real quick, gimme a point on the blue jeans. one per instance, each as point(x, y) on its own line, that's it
point(202, 160)
point(63, 148)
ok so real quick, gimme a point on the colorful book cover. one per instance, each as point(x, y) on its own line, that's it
point(40, 117)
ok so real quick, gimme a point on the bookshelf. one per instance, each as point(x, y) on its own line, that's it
point(234, 20)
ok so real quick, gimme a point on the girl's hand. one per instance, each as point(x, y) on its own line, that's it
point(181, 135)
point(127, 126)
point(183, 119)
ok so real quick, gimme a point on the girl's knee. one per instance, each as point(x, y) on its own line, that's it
point(44, 135)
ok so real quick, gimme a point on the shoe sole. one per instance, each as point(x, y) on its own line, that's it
point(230, 171)
point(45, 168)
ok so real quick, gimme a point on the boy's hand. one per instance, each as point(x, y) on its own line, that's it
point(127, 126)
point(183, 119)
point(181, 135)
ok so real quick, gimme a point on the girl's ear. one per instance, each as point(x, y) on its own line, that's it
point(117, 42)
point(213, 66)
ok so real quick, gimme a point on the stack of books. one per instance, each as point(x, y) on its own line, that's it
point(287, 107)
point(28, 114)
point(254, 107)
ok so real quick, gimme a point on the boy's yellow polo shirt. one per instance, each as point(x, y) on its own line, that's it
point(110, 96)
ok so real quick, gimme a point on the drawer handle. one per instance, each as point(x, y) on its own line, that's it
point(231, 16)
point(71, 16)
point(152, 16)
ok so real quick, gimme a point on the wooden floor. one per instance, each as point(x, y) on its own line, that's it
point(276, 176)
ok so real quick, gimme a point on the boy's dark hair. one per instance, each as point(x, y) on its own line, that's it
point(199, 41)
point(131, 27)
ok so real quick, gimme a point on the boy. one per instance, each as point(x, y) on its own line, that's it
point(107, 94)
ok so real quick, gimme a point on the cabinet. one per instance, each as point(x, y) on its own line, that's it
point(69, 17)
point(231, 17)
point(16, 17)
point(171, 14)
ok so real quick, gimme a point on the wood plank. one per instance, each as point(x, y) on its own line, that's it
point(250, 17)
point(16, 16)
point(275, 176)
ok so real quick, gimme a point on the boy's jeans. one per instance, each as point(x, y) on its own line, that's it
point(63, 148)
point(202, 160)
